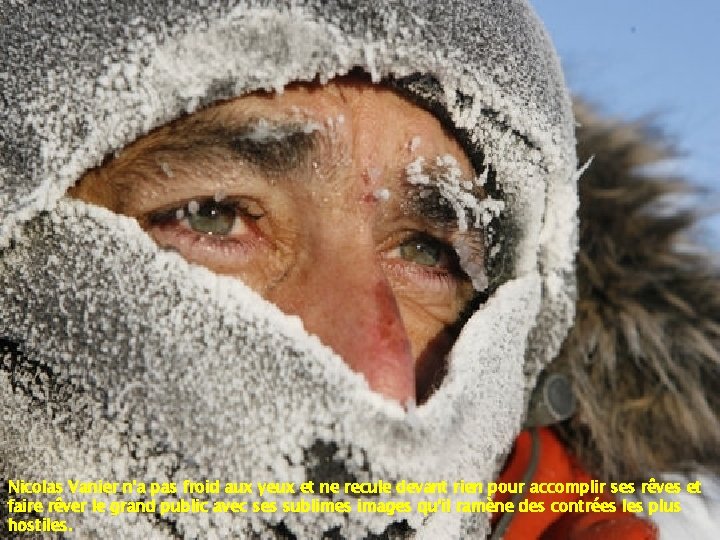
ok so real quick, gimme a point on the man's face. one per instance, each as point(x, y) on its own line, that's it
point(324, 200)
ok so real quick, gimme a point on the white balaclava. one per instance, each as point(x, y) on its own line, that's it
point(121, 361)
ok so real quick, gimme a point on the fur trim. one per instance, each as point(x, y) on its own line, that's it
point(643, 354)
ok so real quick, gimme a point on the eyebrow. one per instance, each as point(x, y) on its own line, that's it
point(273, 146)
point(427, 202)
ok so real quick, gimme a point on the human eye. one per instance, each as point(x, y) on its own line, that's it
point(212, 232)
point(209, 216)
point(425, 257)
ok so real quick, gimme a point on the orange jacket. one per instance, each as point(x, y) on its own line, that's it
point(555, 464)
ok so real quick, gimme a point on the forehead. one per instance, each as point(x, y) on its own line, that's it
point(368, 123)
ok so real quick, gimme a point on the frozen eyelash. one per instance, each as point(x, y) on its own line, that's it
point(181, 211)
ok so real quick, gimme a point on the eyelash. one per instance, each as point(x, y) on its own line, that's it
point(437, 278)
point(169, 215)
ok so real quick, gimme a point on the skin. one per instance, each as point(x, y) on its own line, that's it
point(311, 227)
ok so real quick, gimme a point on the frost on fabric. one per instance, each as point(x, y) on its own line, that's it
point(215, 382)
point(215, 348)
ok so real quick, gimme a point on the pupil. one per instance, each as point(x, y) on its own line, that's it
point(212, 218)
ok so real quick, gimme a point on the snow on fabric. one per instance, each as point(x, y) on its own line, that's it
point(129, 362)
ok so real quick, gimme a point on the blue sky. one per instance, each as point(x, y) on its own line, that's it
point(658, 58)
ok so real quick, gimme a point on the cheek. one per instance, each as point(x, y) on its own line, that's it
point(431, 338)
point(427, 320)
point(269, 265)
point(263, 278)
point(252, 261)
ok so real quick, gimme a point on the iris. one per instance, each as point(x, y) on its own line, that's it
point(422, 250)
point(211, 217)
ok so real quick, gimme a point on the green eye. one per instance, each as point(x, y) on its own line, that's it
point(422, 250)
point(211, 217)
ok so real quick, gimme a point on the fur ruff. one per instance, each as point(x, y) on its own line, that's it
point(643, 354)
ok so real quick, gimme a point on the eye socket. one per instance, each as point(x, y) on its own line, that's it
point(209, 216)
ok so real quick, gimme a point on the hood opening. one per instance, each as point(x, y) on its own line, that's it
point(498, 267)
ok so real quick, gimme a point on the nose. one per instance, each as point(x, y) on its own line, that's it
point(342, 295)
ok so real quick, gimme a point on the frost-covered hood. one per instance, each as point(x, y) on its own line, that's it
point(122, 361)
